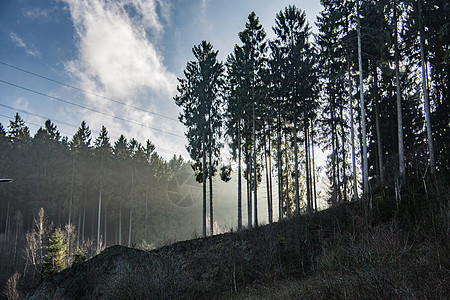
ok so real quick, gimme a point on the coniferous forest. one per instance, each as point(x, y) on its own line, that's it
point(370, 89)
point(100, 192)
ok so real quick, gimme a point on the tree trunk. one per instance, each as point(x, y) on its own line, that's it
point(129, 228)
point(93, 223)
point(211, 211)
point(120, 223)
point(352, 121)
point(99, 209)
point(286, 160)
point(269, 204)
point(84, 218)
point(270, 181)
point(426, 101)
point(99, 217)
point(105, 221)
point(249, 190)
point(8, 218)
point(352, 130)
point(344, 175)
point(239, 178)
point(336, 156)
point(131, 207)
point(310, 145)
point(333, 153)
point(255, 185)
point(363, 113)
point(297, 196)
point(204, 183)
point(18, 220)
point(401, 152)
point(116, 233)
point(79, 227)
point(333, 156)
point(314, 171)
point(253, 162)
point(308, 187)
point(280, 172)
point(146, 213)
point(71, 190)
point(377, 125)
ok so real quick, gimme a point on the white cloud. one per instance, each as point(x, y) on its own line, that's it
point(22, 103)
point(204, 9)
point(117, 58)
point(21, 44)
point(147, 10)
point(114, 53)
point(165, 8)
point(37, 13)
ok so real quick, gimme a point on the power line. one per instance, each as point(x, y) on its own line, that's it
point(87, 92)
point(88, 108)
point(37, 115)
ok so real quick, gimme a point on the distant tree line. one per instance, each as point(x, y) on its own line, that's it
point(371, 88)
point(100, 192)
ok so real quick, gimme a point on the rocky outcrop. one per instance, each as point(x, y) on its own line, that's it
point(91, 279)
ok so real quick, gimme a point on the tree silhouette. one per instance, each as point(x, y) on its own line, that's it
point(199, 94)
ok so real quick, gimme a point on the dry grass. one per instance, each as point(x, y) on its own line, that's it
point(396, 250)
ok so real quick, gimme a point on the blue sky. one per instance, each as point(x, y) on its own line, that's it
point(127, 54)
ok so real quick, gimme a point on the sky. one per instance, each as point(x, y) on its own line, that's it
point(115, 63)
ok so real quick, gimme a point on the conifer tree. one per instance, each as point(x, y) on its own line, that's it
point(103, 151)
point(80, 148)
point(298, 79)
point(334, 42)
point(235, 116)
point(54, 261)
point(200, 97)
point(121, 156)
point(246, 67)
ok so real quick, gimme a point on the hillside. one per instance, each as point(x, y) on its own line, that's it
point(397, 250)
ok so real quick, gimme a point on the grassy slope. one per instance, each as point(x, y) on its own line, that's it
point(396, 250)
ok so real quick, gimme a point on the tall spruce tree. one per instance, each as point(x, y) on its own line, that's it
point(235, 116)
point(298, 79)
point(333, 44)
point(199, 94)
point(103, 152)
point(80, 148)
point(122, 156)
point(252, 65)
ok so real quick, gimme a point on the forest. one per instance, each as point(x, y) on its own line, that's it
point(370, 89)
point(100, 192)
